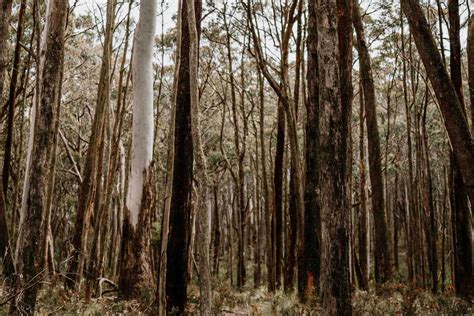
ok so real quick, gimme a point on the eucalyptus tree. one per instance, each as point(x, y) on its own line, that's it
point(29, 252)
point(135, 270)
point(334, 27)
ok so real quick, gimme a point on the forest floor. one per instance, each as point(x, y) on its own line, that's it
point(227, 301)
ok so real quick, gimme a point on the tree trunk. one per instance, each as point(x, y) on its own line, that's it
point(312, 215)
point(203, 205)
point(35, 202)
point(381, 251)
point(335, 93)
point(135, 271)
point(278, 194)
point(89, 173)
point(363, 231)
point(462, 228)
point(11, 99)
point(180, 208)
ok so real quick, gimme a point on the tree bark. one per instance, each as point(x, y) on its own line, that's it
point(35, 202)
point(335, 93)
point(312, 215)
point(10, 106)
point(180, 209)
point(363, 231)
point(203, 204)
point(462, 227)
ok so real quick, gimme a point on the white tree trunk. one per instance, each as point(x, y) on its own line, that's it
point(142, 139)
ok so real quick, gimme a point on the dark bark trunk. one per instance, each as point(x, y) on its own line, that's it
point(463, 278)
point(312, 226)
point(363, 230)
point(335, 94)
point(11, 100)
point(278, 195)
point(180, 211)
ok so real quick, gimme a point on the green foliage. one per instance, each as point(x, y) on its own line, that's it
point(155, 234)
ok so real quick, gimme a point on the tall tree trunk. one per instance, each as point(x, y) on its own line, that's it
point(312, 215)
point(462, 227)
point(363, 231)
point(180, 208)
point(335, 93)
point(203, 204)
point(278, 194)
point(408, 186)
point(240, 153)
point(161, 298)
point(11, 99)
point(35, 202)
point(89, 173)
point(136, 271)
point(428, 201)
point(381, 251)
point(5, 5)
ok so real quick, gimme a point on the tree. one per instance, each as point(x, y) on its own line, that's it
point(312, 213)
point(180, 208)
point(203, 203)
point(381, 250)
point(451, 109)
point(34, 203)
point(135, 271)
point(89, 173)
point(334, 27)
point(461, 215)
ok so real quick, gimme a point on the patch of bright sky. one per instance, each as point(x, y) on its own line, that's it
point(164, 17)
